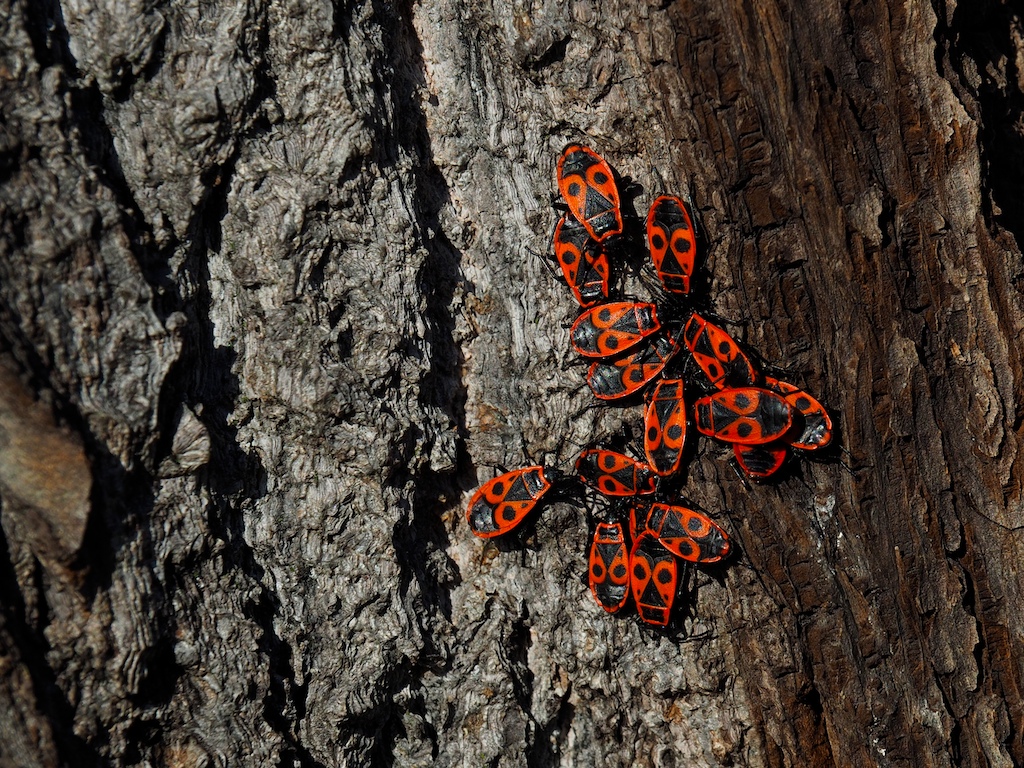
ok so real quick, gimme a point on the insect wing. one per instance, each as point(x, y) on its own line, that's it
point(638, 515)
point(615, 474)
point(584, 264)
point(586, 182)
point(817, 431)
point(629, 374)
point(760, 461)
point(748, 415)
point(717, 354)
point(653, 576)
point(609, 329)
point(665, 426)
point(499, 505)
point(672, 242)
point(609, 566)
point(688, 534)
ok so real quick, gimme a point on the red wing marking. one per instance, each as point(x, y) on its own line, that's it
point(584, 263)
point(760, 461)
point(747, 415)
point(629, 374)
point(665, 426)
point(586, 182)
point(688, 534)
point(817, 431)
point(638, 515)
point(609, 329)
point(672, 242)
point(717, 354)
point(499, 505)
point(615, 474)
point(653, 576)
point(609, 566)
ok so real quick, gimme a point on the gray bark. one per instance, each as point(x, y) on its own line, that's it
point(274, 301)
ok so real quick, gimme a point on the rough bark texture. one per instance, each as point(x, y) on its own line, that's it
point(273, 301)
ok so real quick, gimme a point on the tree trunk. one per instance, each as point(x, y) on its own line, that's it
point(274, 301)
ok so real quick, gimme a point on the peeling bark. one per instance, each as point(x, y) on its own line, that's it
point(273, 275)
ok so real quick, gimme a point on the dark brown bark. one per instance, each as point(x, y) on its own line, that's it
point(273, 300)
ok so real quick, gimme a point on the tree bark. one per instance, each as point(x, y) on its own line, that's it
point(274, 301)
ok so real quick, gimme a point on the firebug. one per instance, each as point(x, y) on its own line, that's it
point(615, 474)
point(665, 426)
point(588, 186)
point(638, 514)
point(610, 329)
point(717, 354)
point(629, 374)
point(760, 461)
point(609, 566)
point(688, 534)
point(653, 575)
point(672, 242)
point(500, 504)
point(584, 263)
point(817, 431)
point(746, 415)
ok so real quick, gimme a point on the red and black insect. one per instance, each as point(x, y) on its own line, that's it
point(665, 426)
point(629, 374)
point(609, 566)
point(588, 186)
point(615, 474)
point(717, 354)
point(653, 575)
point(672, 242)
point(638, 514)
point(746, 415)
point(610, 329)
point(584, 263)
point(500, 504)
point(688, 534)
point(817, 431)
point(760, 461)
point(629, 347)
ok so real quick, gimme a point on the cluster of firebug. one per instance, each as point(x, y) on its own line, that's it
point(635, 548)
